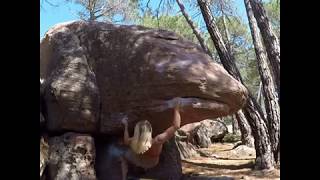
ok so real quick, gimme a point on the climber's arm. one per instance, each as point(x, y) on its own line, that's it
point(126, 138)
point(169, 133)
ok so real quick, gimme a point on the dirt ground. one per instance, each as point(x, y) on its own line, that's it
point(222, 162)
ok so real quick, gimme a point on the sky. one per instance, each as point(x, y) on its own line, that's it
point(51, 15)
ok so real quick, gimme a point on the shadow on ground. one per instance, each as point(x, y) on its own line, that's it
point(228, 164)
point(206, 178)
point(222, 166)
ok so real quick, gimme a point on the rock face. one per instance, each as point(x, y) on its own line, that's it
point(209, 131)
point(72, 156)
point(203, 133)
point(200, 134)
point(244, 151)
point(186, 149)
point(94, 71)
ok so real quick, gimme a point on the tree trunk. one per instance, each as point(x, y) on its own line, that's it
point(260, 100)
point(259, 92)
point(269, 91)
point(225, 56)
point(270, 40)
point(227, 34)
point(235, 126)
point(195, 30)
point(245, 129)
point(264, 154)
point(252, 110)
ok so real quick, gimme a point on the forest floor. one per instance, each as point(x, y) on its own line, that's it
point(224, 162)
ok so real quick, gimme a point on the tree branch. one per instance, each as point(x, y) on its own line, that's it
point(195, 30)
point(158, 13)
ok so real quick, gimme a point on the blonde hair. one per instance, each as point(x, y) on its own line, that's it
point(142, 138)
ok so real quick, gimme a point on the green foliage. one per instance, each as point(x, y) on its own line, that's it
point(242, 48)
point(227, 120)
point(111, 10)
point(231, 138)
point(247, 64)
point(176, 24)
point(273, 12)
point(239, 32)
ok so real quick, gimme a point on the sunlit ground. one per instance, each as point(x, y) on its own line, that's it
point(225, 163)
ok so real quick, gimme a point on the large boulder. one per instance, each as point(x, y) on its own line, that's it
point(186, 149)
point(72, 156)
point(202, 134)
point(199, 134)
point(209, 131)
point(94, 71)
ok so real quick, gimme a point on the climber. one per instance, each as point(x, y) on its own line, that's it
point(144, 150)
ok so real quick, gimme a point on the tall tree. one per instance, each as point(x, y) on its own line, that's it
point(259, 92)
point(235, 125)
point(241, 48)
point(240, 118)
point(272, 8)
point(195, 30)
point(270, 95)
point(270, 40)
point(112, 10)
point(222, 6)
point(252, 110)
point(245, 129)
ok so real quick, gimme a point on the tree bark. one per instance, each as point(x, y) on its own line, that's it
point(91, 10)
point(225, 56)
point(195, 30)
point(252, 110)
point(269, 91)
point(235, 126)
point(264, 154)
point(270, 40)
point(259, 93)
point(245, 129)
point(226, 31)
